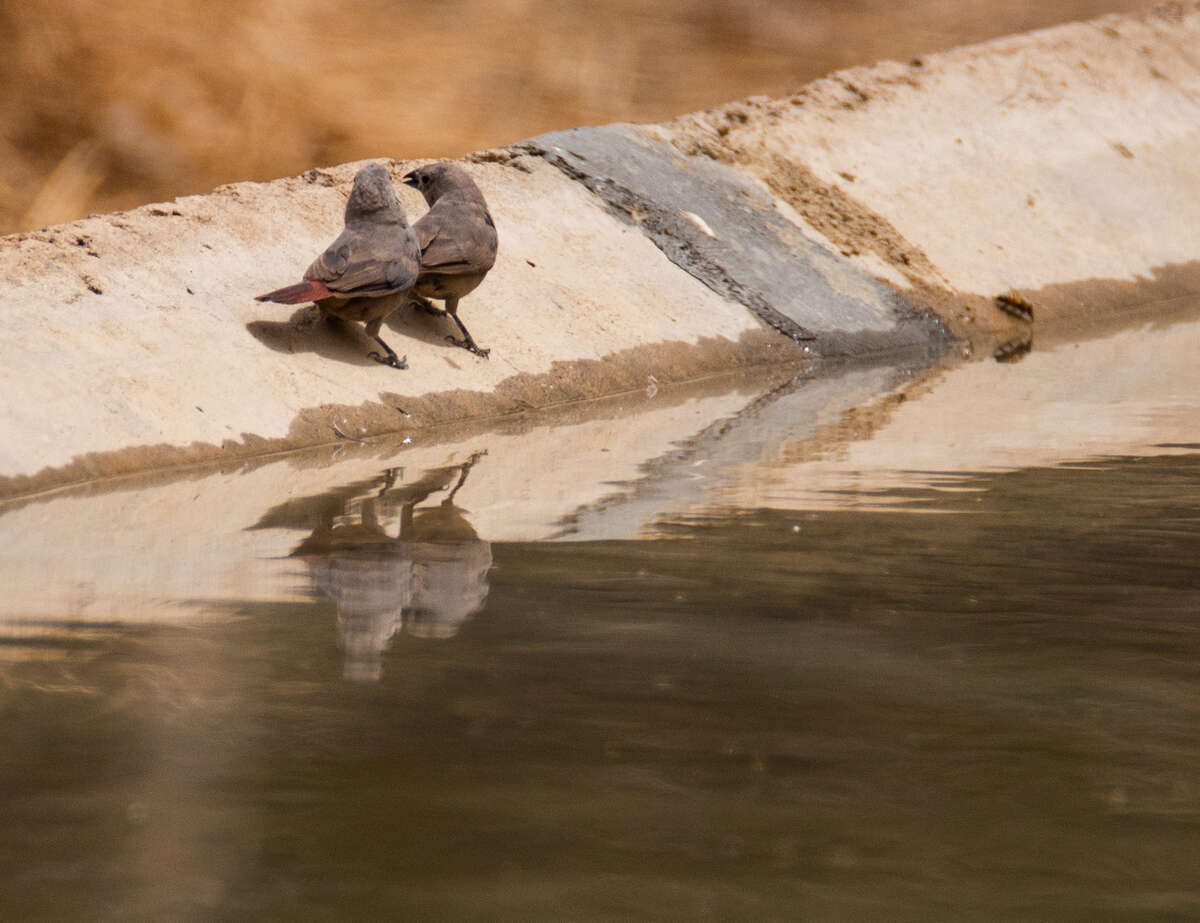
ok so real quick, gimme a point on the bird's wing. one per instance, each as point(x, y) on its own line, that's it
point(329, 266)
point(454, 241)
point(368, 262)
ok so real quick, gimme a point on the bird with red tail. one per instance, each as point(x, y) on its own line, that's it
point(367, 272)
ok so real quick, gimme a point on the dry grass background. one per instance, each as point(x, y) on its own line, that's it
point(110, 103)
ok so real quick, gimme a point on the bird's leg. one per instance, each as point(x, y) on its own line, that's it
point(424, 304)
point(464, 470)
point(391, 358)
point(467, 342)
point(389, 479)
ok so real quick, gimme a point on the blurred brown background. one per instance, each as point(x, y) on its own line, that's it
point(111, 103)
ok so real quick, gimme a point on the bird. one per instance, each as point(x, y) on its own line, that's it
point(374, 259)
point(458, 242)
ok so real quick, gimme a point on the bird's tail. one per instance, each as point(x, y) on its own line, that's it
point(310, 290)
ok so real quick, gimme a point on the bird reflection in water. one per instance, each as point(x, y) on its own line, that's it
point(427, 580)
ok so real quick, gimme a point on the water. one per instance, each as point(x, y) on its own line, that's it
point(888, 645)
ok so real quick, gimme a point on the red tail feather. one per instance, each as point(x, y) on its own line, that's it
point(311, 290)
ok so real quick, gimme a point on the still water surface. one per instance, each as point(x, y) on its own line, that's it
point(807, 688)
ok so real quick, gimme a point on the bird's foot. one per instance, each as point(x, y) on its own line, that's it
point(424, 304)
point(470, 346)
point(390, 359)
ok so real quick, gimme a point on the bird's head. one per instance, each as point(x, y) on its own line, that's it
point(435, 180)
point(373, 192)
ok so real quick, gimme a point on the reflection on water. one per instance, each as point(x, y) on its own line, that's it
point(797, 665)
point(426, 580)
point(986, 714)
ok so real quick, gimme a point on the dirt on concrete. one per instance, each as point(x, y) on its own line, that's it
point(392, 414)
point(422, 424)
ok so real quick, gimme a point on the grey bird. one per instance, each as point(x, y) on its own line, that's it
point(367, 272)
point(457, 238)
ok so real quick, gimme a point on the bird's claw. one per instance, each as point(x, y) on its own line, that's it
point(469, 346)
point(401, 363)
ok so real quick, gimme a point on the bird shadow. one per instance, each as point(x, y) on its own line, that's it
point(410, 321)
point(307, 331)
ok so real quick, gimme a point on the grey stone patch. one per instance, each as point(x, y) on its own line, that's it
point(724, 229)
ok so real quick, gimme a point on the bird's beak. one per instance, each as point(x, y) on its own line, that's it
point(410, 179)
